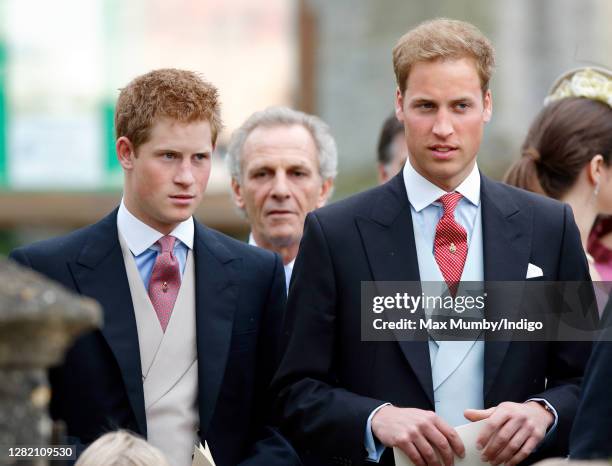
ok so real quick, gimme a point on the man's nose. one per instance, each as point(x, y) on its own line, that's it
point(280, 186)
point(184, 176)
point(443, 126)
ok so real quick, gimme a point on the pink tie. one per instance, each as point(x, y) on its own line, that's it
point(165, 281)
point(450, 243)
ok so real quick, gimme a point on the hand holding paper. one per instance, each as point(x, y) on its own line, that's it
point(468, 433)
point(417, 432)
point(494, 433)
point(511, 431)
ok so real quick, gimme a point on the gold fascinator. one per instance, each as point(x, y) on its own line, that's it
point(589, 82)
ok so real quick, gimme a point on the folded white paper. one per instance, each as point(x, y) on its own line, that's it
point(468, 434)
point(202, 456)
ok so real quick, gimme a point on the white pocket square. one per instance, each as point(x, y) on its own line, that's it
point(533, 271)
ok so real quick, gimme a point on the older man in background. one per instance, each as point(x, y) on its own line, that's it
point(283, 164)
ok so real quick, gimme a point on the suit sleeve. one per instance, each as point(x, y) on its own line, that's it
point(269, 447)
point(567, 359)
point(315, 413)
point(19, 256)
point(590, 436)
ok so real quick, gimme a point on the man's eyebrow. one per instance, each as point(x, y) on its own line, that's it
point(259, 166)
point(463, 99)
point(166, 151)
point(420, 99)
point(299, 164)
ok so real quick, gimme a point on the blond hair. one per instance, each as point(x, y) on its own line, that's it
point(176, 94)
point(444, 39)
point(121, 449)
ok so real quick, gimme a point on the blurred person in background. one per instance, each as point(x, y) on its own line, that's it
point(349, 400)
point(392, 149)
point(568, 149)
point(192, 317)
point(121, 449)
point(599, 246)
point(591, 436)
point(283, 164)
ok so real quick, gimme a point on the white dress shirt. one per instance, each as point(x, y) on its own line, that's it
point(142, 239)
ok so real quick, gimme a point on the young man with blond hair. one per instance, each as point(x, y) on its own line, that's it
point(190, 335)
point(347, 400)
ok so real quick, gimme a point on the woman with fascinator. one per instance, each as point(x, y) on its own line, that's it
point(567, 154)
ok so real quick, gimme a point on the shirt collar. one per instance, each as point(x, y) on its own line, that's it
point(422, 192)
point(289, 266)
point(139, 236)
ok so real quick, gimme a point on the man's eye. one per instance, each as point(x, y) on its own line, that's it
point(425, 105)
point(201, 156)
point(462, 106)
point(169, 156)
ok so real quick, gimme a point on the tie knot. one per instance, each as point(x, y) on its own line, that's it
point(166, 243)
point(449, 202)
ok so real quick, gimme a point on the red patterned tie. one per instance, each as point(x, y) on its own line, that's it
point(165, 281)
point(450, 243)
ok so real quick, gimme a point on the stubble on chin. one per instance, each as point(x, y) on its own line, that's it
point(281, 237)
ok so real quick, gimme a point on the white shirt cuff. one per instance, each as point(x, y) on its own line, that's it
point(374, 448)
point(552, 409)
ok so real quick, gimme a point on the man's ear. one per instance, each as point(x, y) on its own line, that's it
point(399, 105)
point(488, 106)
point(325, 192)
point(125, 152)
point(383, 177)
point(237, 191)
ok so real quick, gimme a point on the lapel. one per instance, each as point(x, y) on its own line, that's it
point(449, 357)
point(217, 280)
point(388, 239)
point(99, 273)
point(507, 232)
point(150, 334)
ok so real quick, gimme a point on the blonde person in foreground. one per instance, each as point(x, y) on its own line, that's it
point(121, 449)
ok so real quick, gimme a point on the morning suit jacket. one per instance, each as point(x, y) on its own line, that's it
point(329, 381)
point(591, 436)
point(240, 294)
